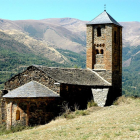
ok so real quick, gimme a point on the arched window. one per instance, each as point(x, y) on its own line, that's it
point(17, 115)
point(97, 51)
point(98, 31)
point(102, 51)
point(115, 37)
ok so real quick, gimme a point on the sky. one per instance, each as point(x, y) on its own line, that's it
point(120, 10)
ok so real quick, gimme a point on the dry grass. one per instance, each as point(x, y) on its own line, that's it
point(123, 100)
point(91, 104)
point(121, 122)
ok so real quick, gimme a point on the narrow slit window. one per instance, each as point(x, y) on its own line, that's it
point(98, 31)
point(17, 115)
point(115, 37)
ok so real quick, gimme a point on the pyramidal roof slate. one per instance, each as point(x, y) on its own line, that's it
point(32, 89)
point(103, 18)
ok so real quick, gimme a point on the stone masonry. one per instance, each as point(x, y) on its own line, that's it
point(104, 54)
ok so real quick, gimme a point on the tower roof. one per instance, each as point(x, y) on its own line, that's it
point(103, 18)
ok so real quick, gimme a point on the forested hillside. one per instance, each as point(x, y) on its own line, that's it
point(131, 71)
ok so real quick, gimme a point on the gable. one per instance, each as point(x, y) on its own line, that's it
point(31, 73)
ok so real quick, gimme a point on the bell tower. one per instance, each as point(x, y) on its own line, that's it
point(104, 49)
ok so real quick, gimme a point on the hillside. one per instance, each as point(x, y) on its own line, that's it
point(109, 123)
point(36, 46)
point(131, 71)
point(131, 34)
point(57, 35)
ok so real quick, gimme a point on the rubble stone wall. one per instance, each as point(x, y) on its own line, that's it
point(32, 111)
point(30, 74)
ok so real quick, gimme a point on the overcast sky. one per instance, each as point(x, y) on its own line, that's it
point(121, 10)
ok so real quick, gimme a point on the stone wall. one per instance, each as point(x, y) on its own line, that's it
point(108, 64)
point(90, 50)
point(32, 111)
point(80, 95)
point(117, 61)
point(30, 74)
point(97, 43)
point(75, 94)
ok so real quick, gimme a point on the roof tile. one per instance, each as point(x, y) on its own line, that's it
point(31, 89)
point(103, 18)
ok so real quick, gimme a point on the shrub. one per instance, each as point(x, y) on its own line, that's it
point(91, 103)
point(65, 108)
point(81, 112)
point(122, 100)
point(13, 129)
point(68, 114)
point(76, 107)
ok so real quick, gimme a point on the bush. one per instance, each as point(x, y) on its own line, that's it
point(68, 114)
point(81, 112)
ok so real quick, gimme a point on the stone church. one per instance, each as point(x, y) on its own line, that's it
point(33, 96)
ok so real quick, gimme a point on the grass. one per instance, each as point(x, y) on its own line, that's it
point(91, 104)
point(14, 129)
point(122, 100)
point(68, 114)
point(117, 122)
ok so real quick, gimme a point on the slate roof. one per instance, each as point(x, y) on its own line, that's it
point(103, 18)
point(74, 76)
point(31, 89)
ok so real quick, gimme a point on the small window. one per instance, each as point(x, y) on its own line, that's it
point(17, 115)
point(98, 31)
point(102, 51)
point(97, 51)
point(115, 37)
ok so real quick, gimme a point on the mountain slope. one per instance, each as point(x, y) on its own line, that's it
point(131, 33)
point(36, 46)
point(57, 35)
